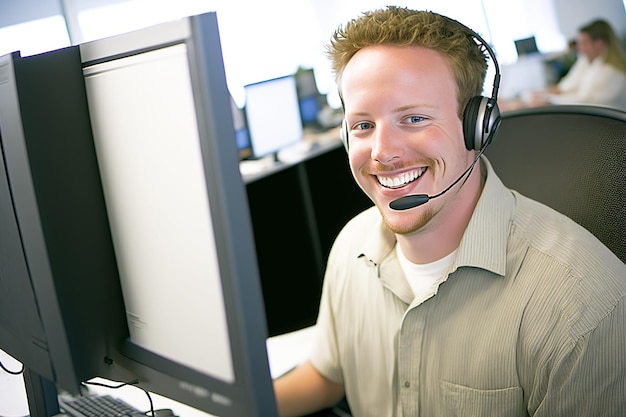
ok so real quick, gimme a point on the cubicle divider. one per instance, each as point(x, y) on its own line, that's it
point(297, 210)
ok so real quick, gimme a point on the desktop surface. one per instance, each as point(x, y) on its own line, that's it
point(284, 353)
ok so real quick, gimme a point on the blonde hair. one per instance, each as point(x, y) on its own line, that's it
point(616, 54)
point(405, 27)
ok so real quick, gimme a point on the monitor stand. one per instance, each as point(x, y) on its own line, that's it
point(41, 394)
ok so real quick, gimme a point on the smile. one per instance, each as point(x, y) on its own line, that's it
point(400, 180)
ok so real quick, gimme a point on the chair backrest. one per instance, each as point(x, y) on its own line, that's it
point(571, 158)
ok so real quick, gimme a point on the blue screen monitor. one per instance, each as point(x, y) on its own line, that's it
point(308, 95)
point(309, 108)
point(242, 136)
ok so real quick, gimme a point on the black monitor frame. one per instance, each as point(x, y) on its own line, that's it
point(526, 46)
point(61, 305)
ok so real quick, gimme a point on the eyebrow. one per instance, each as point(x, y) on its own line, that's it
point(396, 110)
point(412, 106)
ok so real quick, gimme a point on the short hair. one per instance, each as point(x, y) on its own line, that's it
point(405, 27)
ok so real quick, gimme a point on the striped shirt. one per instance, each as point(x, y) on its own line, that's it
point(531, 319)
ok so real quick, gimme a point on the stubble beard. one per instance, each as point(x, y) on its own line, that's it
point(419, 220)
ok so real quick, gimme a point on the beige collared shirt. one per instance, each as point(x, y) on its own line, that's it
point(530, 321)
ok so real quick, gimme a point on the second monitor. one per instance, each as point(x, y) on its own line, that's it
point(273, 115)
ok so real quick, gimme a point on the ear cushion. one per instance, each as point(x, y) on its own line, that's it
point(472, 123)
point(481, 119)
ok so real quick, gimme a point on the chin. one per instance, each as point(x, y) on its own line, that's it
point(406, 221)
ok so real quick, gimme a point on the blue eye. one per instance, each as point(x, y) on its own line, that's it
point(363, 126)
point(415, 119)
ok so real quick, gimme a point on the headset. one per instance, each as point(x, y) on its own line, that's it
point(481, 116)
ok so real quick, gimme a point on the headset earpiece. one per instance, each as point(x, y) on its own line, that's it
point(481, 119)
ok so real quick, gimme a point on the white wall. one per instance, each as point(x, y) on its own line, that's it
point(572, 14)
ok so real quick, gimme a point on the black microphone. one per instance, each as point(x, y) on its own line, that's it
point(415, 200)
point(410, 201)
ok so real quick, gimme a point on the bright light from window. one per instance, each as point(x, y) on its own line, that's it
point(34, 37)
point(257, 42)
point(126, 16)
point(518, 19)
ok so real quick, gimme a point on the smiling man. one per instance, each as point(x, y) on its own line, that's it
point(453, 295)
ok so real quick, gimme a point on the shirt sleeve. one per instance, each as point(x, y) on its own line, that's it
point(325, 355)
point(589, 379)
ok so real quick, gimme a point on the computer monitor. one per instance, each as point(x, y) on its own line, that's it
point(526, 46)
point(60, 299)
point(309, 109)
point(164, 138)
point(242, 137)
point(308, 96)
point(273, 115)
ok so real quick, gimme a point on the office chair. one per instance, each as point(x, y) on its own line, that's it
point(571, 158)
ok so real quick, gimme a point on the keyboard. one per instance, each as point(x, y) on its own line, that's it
point(97, 406)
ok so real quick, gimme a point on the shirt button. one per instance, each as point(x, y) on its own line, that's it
point(407, 384)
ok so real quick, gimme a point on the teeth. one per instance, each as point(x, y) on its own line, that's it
point(401, 180)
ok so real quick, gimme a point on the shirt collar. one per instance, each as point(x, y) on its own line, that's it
point(484, 242)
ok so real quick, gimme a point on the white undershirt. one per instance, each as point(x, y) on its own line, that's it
point(425, 279)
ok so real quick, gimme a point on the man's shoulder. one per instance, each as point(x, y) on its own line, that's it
point(542, 225)
point(562, 242)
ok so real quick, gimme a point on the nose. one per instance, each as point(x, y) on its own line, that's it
point(386, 144)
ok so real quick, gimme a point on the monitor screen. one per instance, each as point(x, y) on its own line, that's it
point(242, 137)
point(273, 115)
point(309, 108)
point(308, 96)
point(165, 142)
point(60, 299)
point(526, 46)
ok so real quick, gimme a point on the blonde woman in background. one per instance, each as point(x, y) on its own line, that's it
point(599, 74)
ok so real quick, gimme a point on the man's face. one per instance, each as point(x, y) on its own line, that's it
point(405, 134)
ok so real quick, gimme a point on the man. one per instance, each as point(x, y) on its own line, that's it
point(473, 301)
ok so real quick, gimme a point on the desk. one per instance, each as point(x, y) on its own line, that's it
point(284, 352)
